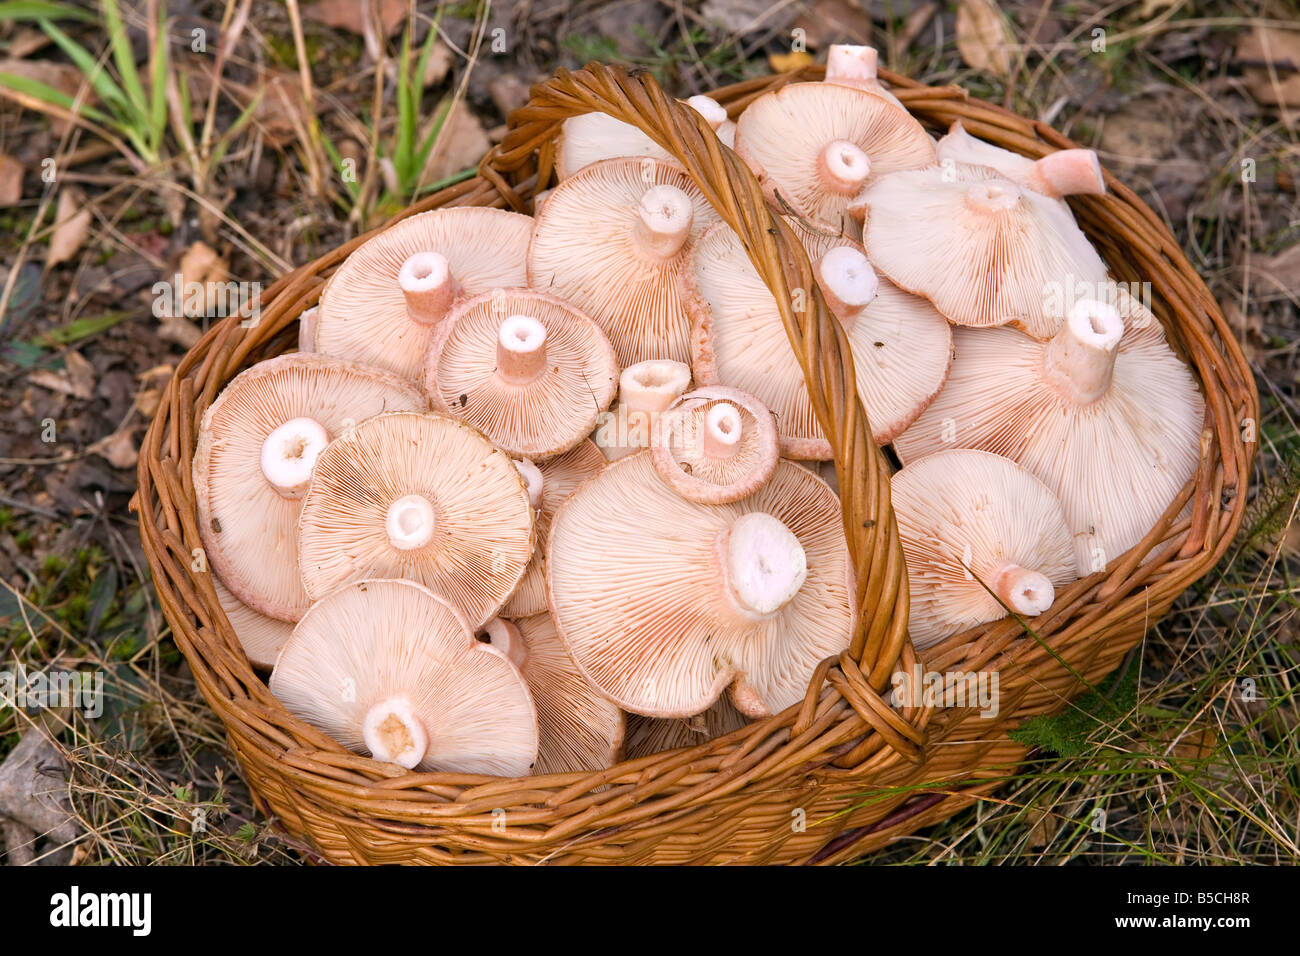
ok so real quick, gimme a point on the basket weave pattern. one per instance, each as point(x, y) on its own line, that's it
point(805, 786)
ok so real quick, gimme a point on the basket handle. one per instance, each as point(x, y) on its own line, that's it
point(817, 338)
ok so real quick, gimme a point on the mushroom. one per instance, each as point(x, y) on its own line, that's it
point(647, 736)
point(307, 330)
point(855, 66)
point(390, 669)
point(1104, 414)
point(901, 346)
point(260, 636)
point(814, 146)
point(257, 446)
point(385, 301)
point(555, 480)
point(645, 390)
point(423, 497)
point(715, 445)
point(527, 369)
point(614, 239)
point(981, 537)
point(985, 251)
point(1066, 172)
point(591, 137)
point(664, 603)
point(578, 729)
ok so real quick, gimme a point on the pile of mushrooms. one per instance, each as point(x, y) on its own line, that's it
point(538, 493)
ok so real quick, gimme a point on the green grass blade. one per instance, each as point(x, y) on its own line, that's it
point(158, 92)
point(36, 10)
point(123, 56)
point(93, 70)
point(237, 126)
point(48, 94)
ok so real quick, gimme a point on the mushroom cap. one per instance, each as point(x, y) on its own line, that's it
point(561, 477)
point(978, 531)
point(538, 418)
point(1114, 463)
point(249, 529)
point(363, 314)
point(1065, 172)
point(901, 347)
point(985, 251)
point(396, 651)
point(784, 135)
point(592, 137)
point(260, 636)
point(641, 592)
point(578, 728)
point(647, 736)
point(685, 448)
point(585, 250)
point(422, 497)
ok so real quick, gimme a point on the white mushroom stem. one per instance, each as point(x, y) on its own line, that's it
point(307, 330)
point(1068, 172)
point(848, 283)
point(289, 454)
point(994, 196)
point(1080, 358)
point(644, 391)
point(521, 349)
point(394, 734)
point(410, 522)
point(533, 481)
point(722, 427)
point(843, 167)
point(1026, 592)
point(714, 113)
point(428, 286)
point(664, 217)
point(763, 565)
point(851, 65)
point(505, 637)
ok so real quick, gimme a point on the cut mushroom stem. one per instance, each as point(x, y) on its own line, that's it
point(843, 167)
point(427, 284)
point(664, 217)
point(722, 431)
point(714, 113)
point(848, 283)
point(521, 349)
point(533, 480)
point(410, 522)
point(851, 65)
point(394, 734)
point(289, 454)
point(763, 563)
point(1068, 172)
point(653, 386)
point(505, 637)
point(1080, 358)
point(1026, 592)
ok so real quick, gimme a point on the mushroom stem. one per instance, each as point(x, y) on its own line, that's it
point(714, 113)
point(848, 283)
point(644, 391)
point(307, 322)
point(851, 65)
point(763, 565)
point(533, 481)
point(1025, 592)
point(1079, 360)
point(394, 734)
point(410, 522)
point(1068, 172)
point(521, 349)
point(664, 218)
point(428, 286)
point(993, 196)
point(289, 454)
point(722, 430)
point(505, 637)
point(843, 167)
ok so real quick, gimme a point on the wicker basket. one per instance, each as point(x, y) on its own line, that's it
point(834, 778)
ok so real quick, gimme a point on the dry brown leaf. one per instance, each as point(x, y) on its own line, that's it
point(347, 15)
point(1281, 271)
point(202, 267)
point(182, 332)
point(984, 39)
point(77, 378)
point(71, 226)
point(788, 62)
point(11, 181)
point(119, 448)
point(1272, 66)
point(834, 21)
point(440, 61)
point(461, 143)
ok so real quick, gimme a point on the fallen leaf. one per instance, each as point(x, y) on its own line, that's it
point(118, 449)
point(77, 378)
point(71, 226)
point(461, 143)
point(203, 274)
point(1271, 61)
point(788, 62)
point(440, 61)
point(11, 180)
point(984, 39)
point(508, 93)
point(741, 16)
point(1281, 271)
point(181, 332)
point(347, 15)
point(834, 21)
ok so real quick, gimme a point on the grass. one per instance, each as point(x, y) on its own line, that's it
point(1191, 753)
